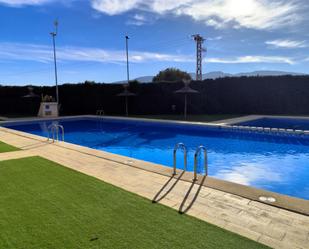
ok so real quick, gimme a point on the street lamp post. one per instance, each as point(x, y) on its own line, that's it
point(127, 51)
point(54, 34)
point(126, 93)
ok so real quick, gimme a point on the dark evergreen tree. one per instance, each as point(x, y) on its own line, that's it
point(171, 75)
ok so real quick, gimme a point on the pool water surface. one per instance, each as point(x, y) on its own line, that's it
point(278, 163)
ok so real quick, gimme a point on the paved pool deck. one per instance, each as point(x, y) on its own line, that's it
point(272, 226)
point(246, 118)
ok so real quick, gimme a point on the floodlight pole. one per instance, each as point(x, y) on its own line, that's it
point(128, 73)
point(199, 58)
point(127, 52)
point(54, 34)
point(127, 106)
point(185, 111)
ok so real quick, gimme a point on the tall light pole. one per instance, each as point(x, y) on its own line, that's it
point(199, 57)
point(126, 93)
point(54, 34)
point(127, 51)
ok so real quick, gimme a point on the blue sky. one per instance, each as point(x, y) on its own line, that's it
point(242, 36)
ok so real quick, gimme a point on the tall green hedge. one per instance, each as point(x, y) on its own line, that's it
point(245, 95)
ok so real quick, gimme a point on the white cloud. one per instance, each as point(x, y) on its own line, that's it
point(256, 14)
point(215, 23)
point(139, 17)
point(114, 7)
point(134, 22)
point(252, 59)
point(138, 20)
point(164, 6)
point(17, 3)
point(216, 38)
point(281, 43)
point(43, 53)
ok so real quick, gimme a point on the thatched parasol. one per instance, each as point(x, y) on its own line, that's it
point(186, 90)
point(126, 94)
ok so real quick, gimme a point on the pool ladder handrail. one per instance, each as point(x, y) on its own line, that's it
point(184, 148)
point(100, 113)
point(197, 152)
point(54, 130)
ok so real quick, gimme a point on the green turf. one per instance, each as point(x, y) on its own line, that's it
point(6, 148)
point(44, 205)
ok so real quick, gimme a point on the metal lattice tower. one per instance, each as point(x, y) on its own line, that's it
point(199, 55)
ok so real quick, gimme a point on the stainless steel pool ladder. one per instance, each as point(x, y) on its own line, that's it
point(100, 112)
point(197, 152)
point(184, 148)
point(54, 130)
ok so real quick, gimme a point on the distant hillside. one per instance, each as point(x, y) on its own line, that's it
point(144, 79)
point(268, 73)
point(219, 74)
point(213, 75)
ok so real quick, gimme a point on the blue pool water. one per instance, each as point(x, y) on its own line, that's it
point(273, 162)
point(285, 123)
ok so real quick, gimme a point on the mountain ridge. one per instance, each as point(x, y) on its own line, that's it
point(220, 74)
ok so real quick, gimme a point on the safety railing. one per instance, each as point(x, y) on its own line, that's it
point(197, 152)
point(184, 148)
point(53, 131)
point(100, 113)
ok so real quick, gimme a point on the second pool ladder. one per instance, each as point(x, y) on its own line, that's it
point(196, 154)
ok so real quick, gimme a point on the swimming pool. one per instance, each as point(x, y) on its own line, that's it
point(283, 123)
point(274, 162)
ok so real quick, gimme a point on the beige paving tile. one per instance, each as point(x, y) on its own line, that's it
point(278, 244)
point(16, 155)
point(209, 218)
point(263, 206)
point(304, 224)
point(294, 216)
point(233, 219)
point(291, 231)
point(226, 207)
point(270, 231)
point(299, 241)
point(253, 215)
point(243, 231)
point(236, 199)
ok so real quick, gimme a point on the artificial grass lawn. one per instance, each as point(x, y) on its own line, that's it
point(6, 148)
point(44, 205)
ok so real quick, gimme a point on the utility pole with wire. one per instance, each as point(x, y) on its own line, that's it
point(199, 55)
point(127, 51)
point(54, 34)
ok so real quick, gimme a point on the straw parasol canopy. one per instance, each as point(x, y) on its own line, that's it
point(186, 90)
point(31, 94)
point(126, 94)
